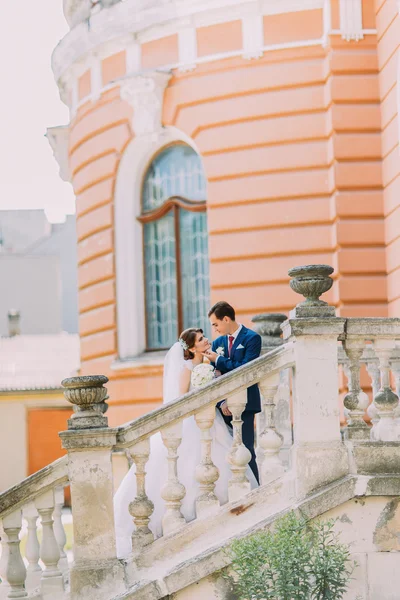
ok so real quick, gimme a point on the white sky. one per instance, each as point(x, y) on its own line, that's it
point(29, 103)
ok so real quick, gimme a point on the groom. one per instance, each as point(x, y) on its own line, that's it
point(240, 345)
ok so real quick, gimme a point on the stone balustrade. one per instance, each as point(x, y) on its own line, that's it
point(379, 351)
point(35, 507)
point(299, 448)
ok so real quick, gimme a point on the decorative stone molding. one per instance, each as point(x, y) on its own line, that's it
point(58, 138)
point(88, 394)
point(148, 20)
point(311, 281)
point(351, 20)
point(145, 94)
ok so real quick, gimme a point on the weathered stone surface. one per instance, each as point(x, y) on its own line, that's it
point(386, 535)
point(369, 328)
point(311, 281)
point(329, 498)
point(88, 438)
point(376, 458)
point(383, 485)
point(100, 581)
point(88, 394)
point(313, 327)
point(268, 325)
point(49, 477)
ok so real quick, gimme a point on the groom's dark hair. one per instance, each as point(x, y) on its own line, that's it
point(222, 309)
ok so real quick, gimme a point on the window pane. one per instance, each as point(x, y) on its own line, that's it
point(194, 267)
point(161, 296)
point(177, 171)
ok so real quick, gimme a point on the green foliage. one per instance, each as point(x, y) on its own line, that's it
point(295, 561)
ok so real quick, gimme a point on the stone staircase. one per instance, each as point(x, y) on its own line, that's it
point(352, 473)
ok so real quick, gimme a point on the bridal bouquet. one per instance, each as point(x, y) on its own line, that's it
point(202, 374)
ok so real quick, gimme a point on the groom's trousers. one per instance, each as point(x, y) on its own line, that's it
point(247, 436)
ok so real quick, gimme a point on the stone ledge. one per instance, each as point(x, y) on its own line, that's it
point(375, 458)
point(334, 326)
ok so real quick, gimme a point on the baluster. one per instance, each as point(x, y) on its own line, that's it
point(4, 586)
point(395, 367)
point(173, 491)
point(282, 413)
point(59, 530)
point(356, 401)
point(386, 401)
point(52, 579)
point(206, 472)
point(239, 456)
point(141, 508)
point(375, 375)
point(270, 440)
point(15, 570)
point(34, 571)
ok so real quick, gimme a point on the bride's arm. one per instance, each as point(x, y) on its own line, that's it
point(184, 382)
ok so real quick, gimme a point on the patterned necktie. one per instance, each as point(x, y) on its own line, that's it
point(231, 338)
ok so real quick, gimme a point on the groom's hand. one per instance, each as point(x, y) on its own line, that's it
point(212, 356)
point(225, 409)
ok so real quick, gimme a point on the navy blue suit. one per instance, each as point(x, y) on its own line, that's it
point(246, 347)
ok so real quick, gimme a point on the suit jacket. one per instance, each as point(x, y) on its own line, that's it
point(246, 347)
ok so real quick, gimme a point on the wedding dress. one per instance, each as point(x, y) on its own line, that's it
point(189, 453)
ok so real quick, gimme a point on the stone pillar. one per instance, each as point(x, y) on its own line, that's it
point(318, 454)
point(96, 574)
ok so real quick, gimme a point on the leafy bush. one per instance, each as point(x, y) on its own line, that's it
point(296, 561)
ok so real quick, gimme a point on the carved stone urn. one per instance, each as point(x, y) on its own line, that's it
point(88, 395)
point(268, 325)
point(311, 281)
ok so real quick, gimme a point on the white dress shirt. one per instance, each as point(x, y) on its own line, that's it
point(234, 335)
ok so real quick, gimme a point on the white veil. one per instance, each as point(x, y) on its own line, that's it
point(173, 365)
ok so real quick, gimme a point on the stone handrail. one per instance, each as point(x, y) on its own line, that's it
point(50, 477)
point(197, 400)
point(39, 496)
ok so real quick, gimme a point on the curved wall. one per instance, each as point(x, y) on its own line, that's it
point(291, 145)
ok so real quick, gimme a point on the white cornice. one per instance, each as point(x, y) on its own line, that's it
point(145, 20)
point(58, 138)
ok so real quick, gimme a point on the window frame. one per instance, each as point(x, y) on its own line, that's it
point(128, 261)
point(176, 204)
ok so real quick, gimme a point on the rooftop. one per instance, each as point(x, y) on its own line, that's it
point(37, 362)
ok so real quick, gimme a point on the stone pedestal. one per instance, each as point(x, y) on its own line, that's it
point(96, 574)
point(318, 454)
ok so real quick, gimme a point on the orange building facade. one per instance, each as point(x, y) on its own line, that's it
point(289, 108)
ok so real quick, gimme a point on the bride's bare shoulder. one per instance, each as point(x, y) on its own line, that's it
point(189, 365)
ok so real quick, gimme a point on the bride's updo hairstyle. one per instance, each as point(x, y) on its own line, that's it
point(187, 340)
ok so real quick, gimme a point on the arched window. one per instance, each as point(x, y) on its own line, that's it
point(175, 245)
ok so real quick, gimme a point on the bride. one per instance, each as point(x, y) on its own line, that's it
point(180, 361)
